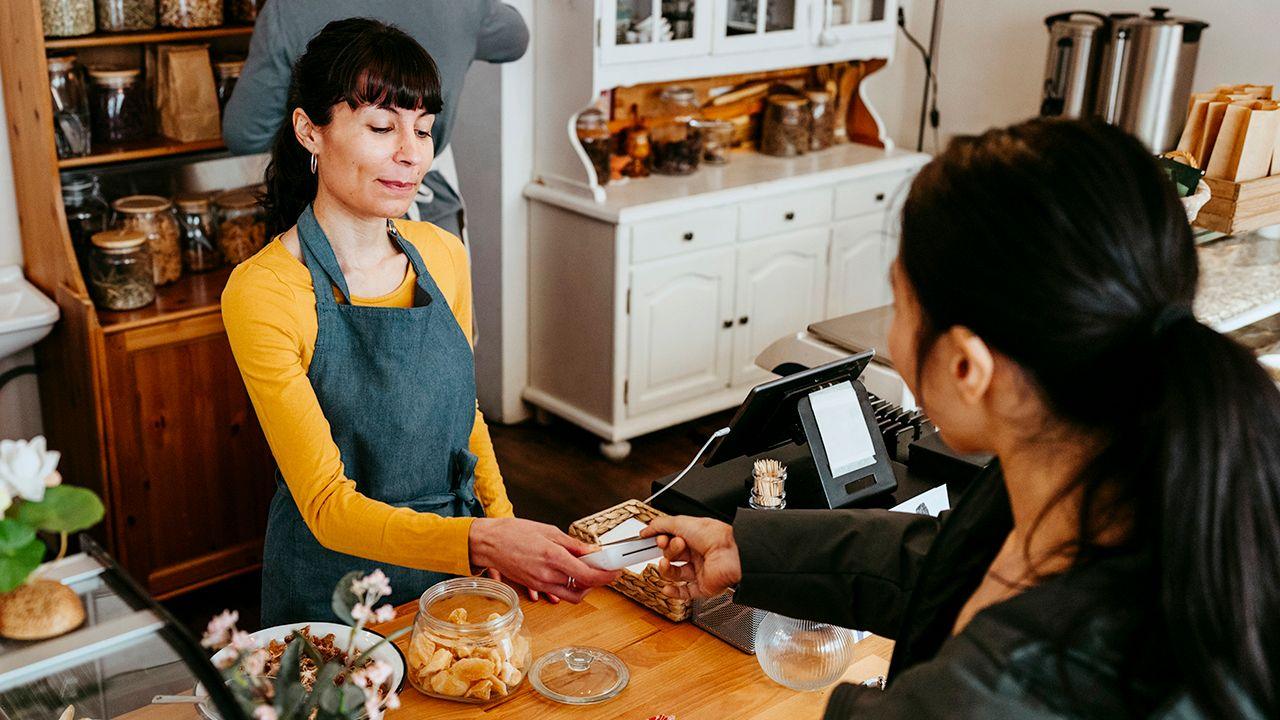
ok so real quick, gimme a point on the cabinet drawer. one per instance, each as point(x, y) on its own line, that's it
point(661, 238)
point(783, 214)
point(870, 195)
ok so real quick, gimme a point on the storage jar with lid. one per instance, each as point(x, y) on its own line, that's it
point(185, 14)
point(225, 74)
point(786, 126)
point(593, 134)
point(152, 215)
point(120, 275)
point(469, 643)
point(125, 15)
point(675, 140)
point(87, 213)
point(66, 18)
point(242, 228)
point(717, 140)
point(120, 110)
point(822, 120)
point(199, 234)
point(70, 107)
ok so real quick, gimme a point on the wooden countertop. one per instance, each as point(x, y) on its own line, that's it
point(676, 668)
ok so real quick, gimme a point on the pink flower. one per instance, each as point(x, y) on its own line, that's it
point(375, 583)
point(218, 633)
point(264, 712)
point(241, 642)
point(255, 663)
point(361, 612)
point(386, 613)
point(376, 673)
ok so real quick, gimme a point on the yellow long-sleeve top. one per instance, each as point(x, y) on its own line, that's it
point(269, 309)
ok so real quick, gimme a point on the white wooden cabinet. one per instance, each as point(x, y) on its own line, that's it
point(649, 309)
point(780, 289)
point(756, 25)
point(681, 331)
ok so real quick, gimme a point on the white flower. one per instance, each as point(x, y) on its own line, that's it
point(386, 613)
point(360, 612)
point(255, 663)
point(218, 633)
point(5, 498)
point(376, 673)
point(264, 712)
point(25, 468)
point(242, 643)
point(375, 583)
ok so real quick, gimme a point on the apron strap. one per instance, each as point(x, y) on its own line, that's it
point(318, 256)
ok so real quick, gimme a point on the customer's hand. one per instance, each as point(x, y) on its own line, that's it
point(707, 549)
point(535, 555)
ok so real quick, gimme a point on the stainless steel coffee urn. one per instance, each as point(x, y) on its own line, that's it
point(1134, 72)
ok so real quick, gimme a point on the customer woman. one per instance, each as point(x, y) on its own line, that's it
point(1124, 560)
point(350, 331)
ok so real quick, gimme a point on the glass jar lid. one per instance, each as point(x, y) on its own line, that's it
point(592, 119)
point(139, 204)
point(118, 239)
point(61, 63)
point(80, 185)
point(818, 97)
point(236, 199)
point(578, 675)
point(193, 203)
point(679, 94)
point(790, 102)
point(228, 68)
point(114, 77)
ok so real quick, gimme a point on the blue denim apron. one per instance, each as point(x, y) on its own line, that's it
point(397, 386)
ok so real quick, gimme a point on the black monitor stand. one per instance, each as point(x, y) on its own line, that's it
point(843, 490)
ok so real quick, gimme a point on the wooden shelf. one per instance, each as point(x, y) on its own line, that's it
point(146, 148)
point(192, 294)
point(146, 37)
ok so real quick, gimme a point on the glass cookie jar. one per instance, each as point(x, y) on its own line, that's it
point(469, 642)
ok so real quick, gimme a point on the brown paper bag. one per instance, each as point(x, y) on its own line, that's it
point(1193, 132)
point(1214, 114)
point(186, 100)
point(1246, 141)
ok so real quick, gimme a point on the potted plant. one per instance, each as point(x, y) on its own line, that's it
point(33, 501)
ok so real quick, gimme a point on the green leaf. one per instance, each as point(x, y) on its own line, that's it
point(15, 566)
point(14, 535)
point(290, 667)
point(344, 598)
point(65, 509)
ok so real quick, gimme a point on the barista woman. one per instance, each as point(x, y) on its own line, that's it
point(351, 332)
point(1123, 561)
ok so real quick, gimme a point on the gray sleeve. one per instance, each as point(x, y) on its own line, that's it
point(853, 568)
point(257, 107)
point(503, 37)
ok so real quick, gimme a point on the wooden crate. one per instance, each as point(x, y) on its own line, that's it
point(1241, 207)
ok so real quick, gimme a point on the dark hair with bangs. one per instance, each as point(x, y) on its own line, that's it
point(357, 61)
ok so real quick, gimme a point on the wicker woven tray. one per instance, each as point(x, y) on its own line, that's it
point(645, 588)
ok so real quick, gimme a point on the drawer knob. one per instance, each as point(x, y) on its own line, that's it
point(743, 320)
point(728, 324)
point(879, 197)
point(791, 215)
point(688, 237)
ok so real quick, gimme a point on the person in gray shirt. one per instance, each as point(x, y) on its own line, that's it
point(455, 32)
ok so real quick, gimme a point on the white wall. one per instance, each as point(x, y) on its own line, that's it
point(991, 56)
point(19, 400)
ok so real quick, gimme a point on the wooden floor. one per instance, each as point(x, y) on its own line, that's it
point(554, 474)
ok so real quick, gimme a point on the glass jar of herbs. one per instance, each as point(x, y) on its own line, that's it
point(593, 135)
point(126, 15)
point(242, 228)
point(70, 107)
point(120, 109)
point(120, 275)
point(152, 215)
point(187, 14)
point(66, 18)
point(674, 137)
point(87, 213)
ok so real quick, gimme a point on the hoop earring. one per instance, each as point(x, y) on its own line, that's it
point(313, 163)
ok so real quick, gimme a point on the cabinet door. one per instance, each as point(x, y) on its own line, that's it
point(844, 20)
point(752, 25)
point(640, 30)
point(681, 329)
point(191, 472)
point(780, 291)
point(859, 266)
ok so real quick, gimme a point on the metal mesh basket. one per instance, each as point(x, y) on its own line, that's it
point(733, 623)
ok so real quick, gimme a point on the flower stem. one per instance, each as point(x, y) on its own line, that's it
point(62, 546)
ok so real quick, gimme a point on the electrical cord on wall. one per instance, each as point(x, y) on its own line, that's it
point(929, 103)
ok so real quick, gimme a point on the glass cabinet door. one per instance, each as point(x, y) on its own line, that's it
point(745, 25)
point(638, 30)
point(849, 19)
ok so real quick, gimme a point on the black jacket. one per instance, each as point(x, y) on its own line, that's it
point(1076, 645)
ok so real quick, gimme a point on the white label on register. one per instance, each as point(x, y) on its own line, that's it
point(930, 502)
point(625, 530)
point(844, 431)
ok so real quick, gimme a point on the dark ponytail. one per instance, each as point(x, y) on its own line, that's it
point(357, 61)
point(1063, 247)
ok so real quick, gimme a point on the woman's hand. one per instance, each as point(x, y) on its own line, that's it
point(707, 549)
point(535, 555)
point(534, 595)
